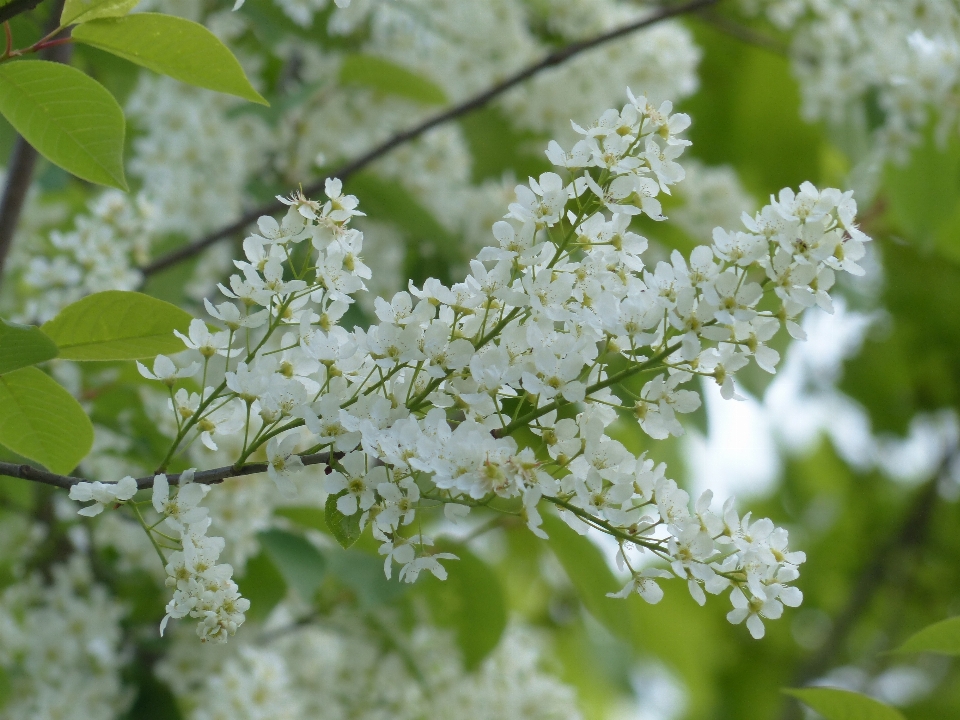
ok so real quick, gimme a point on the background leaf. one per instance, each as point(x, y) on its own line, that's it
point(23, 345)
point(263, 585)
point(836, 704)
point(172, 46)
point(80, 11)
point(390, 79)
point(42, 421)
point(300, 563)
point(67, 116)
point(345, 528)
point(588, 571)
point(470, 601)
point(117, 325)
point(942, 637)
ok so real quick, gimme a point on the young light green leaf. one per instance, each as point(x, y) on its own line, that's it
point(117, 325)
point(300, 563)
point(470, 601)
point(345, 528)
point(67, 116)
point(22, 346)
point(589, 573)
point(836, 704)
point(172, 46)
point(81, 11)
point(385, 77)
point(42, 421)
point(942, 637)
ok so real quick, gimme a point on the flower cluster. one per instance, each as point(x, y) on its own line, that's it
point(341, 670)
point(202, 589)
point(101, 252)
point(559, 329)
point(60, 648)
point(876, 67)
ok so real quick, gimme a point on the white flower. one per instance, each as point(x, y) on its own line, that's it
point(102, 494)
point(202, 340)
point(166, 372)
point(358, 483)
point(644, 585)
point(183, 507)
point(283, 463)
point(766, 605)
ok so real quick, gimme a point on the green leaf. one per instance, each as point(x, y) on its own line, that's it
point(300, 563)
point(345, 528)
point(81, 11)
point(117, 325)
point(470, 601)
point(836, 704)
point(363, 574)
point(942, 637)
point(42, 421)
point(263, 585)
point(590, 575)
point(22, 346)
point(67, 116)
point(384, 76)
point(172, 46)
point(304, 516)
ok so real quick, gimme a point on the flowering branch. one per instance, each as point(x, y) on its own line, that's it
point(548, 334)
point(478, 101)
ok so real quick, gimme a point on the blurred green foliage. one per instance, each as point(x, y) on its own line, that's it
point(874, 575)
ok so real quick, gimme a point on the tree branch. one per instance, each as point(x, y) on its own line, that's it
point(205, 477)
point(476, 102)
point(744, 33)
point(18, 7)
point(23, 158)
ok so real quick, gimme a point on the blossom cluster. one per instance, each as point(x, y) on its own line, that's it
point(559, 329)
point(102, 252)
point(61, 647)
point(202, 588)
point(339, 669)
point(875, 67)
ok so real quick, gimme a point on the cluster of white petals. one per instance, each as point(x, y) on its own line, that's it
point(559, 329)
point(880, 67)
point(60, 648)
point(341, 670)
point(102, 252)
point(202, 588)
point(102, 494)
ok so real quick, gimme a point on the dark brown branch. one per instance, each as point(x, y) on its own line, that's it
point(206, 477)
point(911, 534)
point(18, 7)
point(23, 158)
point(475, 103)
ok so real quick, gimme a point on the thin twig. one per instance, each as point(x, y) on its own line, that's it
point(475, 103)
point(205, 477)
point(911, 533)
point(744, 33)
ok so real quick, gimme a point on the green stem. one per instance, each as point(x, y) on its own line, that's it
point(149, 532)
